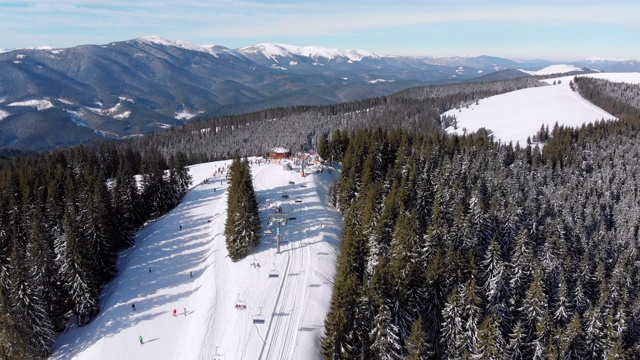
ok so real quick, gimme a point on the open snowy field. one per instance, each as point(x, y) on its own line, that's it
point(216, 301)
point(516, 115)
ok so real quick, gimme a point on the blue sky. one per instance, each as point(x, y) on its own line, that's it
point(555, 30)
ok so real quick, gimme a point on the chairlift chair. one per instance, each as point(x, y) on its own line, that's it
point(241, 304)
point(273, 273)
point(258, 318)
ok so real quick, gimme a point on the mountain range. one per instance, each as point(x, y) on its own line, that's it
point(61, 97)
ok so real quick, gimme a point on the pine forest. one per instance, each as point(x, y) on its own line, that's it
point(454, 247)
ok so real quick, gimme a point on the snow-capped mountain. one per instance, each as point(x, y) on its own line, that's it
point(56, 97)
point(283, 53)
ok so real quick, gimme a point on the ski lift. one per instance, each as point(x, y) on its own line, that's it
point(241, 304)
point(273, 273)
point(218, 356)
point(258, 318)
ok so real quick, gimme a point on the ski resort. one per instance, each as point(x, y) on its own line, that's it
point(179, 296)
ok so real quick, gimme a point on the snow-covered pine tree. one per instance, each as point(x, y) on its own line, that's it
point(242, 227)
point(453, 327)
point(417, 344)
point(490, 344)
point(75, 266)
point(385, 339)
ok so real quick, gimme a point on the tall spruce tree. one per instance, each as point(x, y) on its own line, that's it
point(242, 227)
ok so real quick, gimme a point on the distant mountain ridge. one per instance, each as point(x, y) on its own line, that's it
point(59, 97)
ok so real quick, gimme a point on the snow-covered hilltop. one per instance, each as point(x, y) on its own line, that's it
point(274, 51)
point(180, 263)
point(214, 50)
point(554, 69)
point(517, 115)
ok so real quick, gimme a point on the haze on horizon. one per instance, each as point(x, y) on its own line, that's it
point(555, 30)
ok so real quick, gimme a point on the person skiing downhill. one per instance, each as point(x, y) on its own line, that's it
point(133, 307)
point(141, 342)
point(175, 312)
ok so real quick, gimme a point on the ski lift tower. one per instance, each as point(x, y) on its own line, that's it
point(278, 219)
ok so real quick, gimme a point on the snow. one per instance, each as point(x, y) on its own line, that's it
point(279, 150)
point(65, 101)
point(553, 69)
point(516, 115)
point(207, 324)
point(116, 111)
point(186, 114)
point(76, 117)
point(4, 114)
point(214, 50)
point(379, 81)
point(273, 51)
point(38, 104)
point(123, 115)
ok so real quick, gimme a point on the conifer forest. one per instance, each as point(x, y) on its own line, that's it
point(453, 247)
point(462, 248)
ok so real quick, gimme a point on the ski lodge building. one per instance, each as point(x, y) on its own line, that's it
point(279, 153)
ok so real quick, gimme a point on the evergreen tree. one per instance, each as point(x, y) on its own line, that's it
point(242, 227)
point(385, 340)
point(490, 344)
point(418, 348)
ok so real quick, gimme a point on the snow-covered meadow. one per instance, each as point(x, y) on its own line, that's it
point(516, 115)
point(187, 270)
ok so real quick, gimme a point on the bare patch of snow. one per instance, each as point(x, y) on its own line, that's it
point(21, 56)
point(65, 101)
point(38, 104)
point(379, 81)
point(186, 114)
point(123, 115)
point(4, 114)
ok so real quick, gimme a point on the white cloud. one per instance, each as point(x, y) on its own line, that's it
point(72, 22)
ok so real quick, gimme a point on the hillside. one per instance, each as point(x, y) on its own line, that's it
point(155, 276)
point(517, 115)
point(60, 97)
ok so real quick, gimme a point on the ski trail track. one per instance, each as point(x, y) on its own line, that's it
point(208, 325)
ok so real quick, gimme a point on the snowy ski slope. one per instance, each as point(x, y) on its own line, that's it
point(208, 324)
point(516, 115)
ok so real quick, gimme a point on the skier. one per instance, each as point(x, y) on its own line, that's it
point(180, 227)
point(149, 270)
point(185, 311)
point(191, 273)
point(175, 312)
point(133, 307)
point(141, 342)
